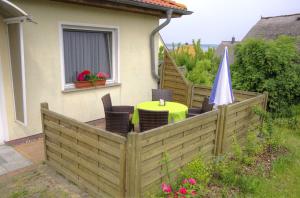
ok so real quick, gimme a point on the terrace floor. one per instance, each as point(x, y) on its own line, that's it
point(100, 123)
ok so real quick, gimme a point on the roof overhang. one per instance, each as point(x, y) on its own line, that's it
point(131, 6)
point(9, 10)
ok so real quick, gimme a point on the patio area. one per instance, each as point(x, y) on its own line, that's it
point(106, 157)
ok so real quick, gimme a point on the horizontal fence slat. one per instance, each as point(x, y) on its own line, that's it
point(101, 159)
point(85, 126)
point(159, 133)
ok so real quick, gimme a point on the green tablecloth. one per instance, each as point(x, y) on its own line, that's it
point(176, 110)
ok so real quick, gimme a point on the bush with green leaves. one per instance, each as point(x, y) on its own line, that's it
point(197, 169)
point(201, 65)
point(272, 66)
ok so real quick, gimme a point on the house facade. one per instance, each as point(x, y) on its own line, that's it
point(47, 43)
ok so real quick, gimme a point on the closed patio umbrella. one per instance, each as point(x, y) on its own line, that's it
point(221, 93)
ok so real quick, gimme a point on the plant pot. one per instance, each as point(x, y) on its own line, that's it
point(86, 84)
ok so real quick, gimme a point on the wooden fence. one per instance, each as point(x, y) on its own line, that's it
point(90, 157)
point(182, 142)
point(239, 118)
point(173, 79)
point(199, 92)
point(109, 165)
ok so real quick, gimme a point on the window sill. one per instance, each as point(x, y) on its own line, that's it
point(69, 90)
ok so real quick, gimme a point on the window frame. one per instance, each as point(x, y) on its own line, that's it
point(92, 27)
point(19, 21)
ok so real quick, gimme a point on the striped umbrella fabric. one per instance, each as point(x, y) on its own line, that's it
point(221, 93)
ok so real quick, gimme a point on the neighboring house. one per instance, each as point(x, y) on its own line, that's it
point(46, 45)
point(230, 45)
point(272, 27)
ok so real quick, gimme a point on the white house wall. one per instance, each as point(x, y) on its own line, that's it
point(43, 63)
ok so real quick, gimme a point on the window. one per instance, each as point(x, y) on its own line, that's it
point(18, 70)
point(91, 49)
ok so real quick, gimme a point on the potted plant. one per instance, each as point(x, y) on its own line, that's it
point(87, 79)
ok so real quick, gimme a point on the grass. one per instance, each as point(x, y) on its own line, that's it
point(285, 175)
point(267, 165)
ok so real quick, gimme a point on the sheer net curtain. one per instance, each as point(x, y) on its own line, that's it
point(91, 50)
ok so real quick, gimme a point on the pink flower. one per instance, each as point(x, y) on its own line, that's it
point(185, 181)
point(192, 181)
point(166, 188)
point(182, 190)
point(194, 193)
point(106, 75)
point(102, 75)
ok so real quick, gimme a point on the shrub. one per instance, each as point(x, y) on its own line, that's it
point(271, 66)
point(197, 169)
point(272, 138)
point(201, 65)
point(202, 73)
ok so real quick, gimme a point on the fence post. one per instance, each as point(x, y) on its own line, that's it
point(133, 185)
point(190, 95)
point(266, 100)
point(220, 131)
point(44, 106)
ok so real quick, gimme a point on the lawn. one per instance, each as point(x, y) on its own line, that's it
point(267, 165)
point(284, 180)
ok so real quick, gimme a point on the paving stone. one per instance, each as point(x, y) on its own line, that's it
point(16, 165)
point(2, 170)
point(11, 160)
point(2, 161)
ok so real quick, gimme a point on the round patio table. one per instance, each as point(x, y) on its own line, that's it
point(177, 111)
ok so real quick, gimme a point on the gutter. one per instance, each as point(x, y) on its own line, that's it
point(138, 3)
point(152, 43)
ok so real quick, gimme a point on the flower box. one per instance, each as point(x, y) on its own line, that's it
point(86, 79)
point(86, 83)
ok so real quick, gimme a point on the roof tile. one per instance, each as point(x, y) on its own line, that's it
point(166, 3)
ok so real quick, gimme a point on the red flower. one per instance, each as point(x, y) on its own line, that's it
point(166, 188)
point(192, 181)
point(182, 190)
point(82, 75)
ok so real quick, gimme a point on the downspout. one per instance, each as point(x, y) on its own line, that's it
point(152, 43)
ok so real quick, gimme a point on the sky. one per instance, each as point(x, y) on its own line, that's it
point(214, 21)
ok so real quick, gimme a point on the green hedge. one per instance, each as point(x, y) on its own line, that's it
point(272, 66)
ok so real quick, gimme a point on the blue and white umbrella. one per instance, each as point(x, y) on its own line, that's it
point(221, 93)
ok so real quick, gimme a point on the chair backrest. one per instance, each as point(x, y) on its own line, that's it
point(206, 106)
point(117, 122)
point(106, 100)
point(165, 94)
point(152, 119)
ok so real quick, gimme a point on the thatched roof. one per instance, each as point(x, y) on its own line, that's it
point(230, 45)
point(272, 27)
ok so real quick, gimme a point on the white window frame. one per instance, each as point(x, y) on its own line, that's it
point(3, 116)
point(19, 20)
point(115, 49)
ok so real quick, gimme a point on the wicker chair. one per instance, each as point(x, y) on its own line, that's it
point(152, 119)
point(117, 118)
point(107, 104)
point(117, 122)
point(165, 94)
point(205, 108)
